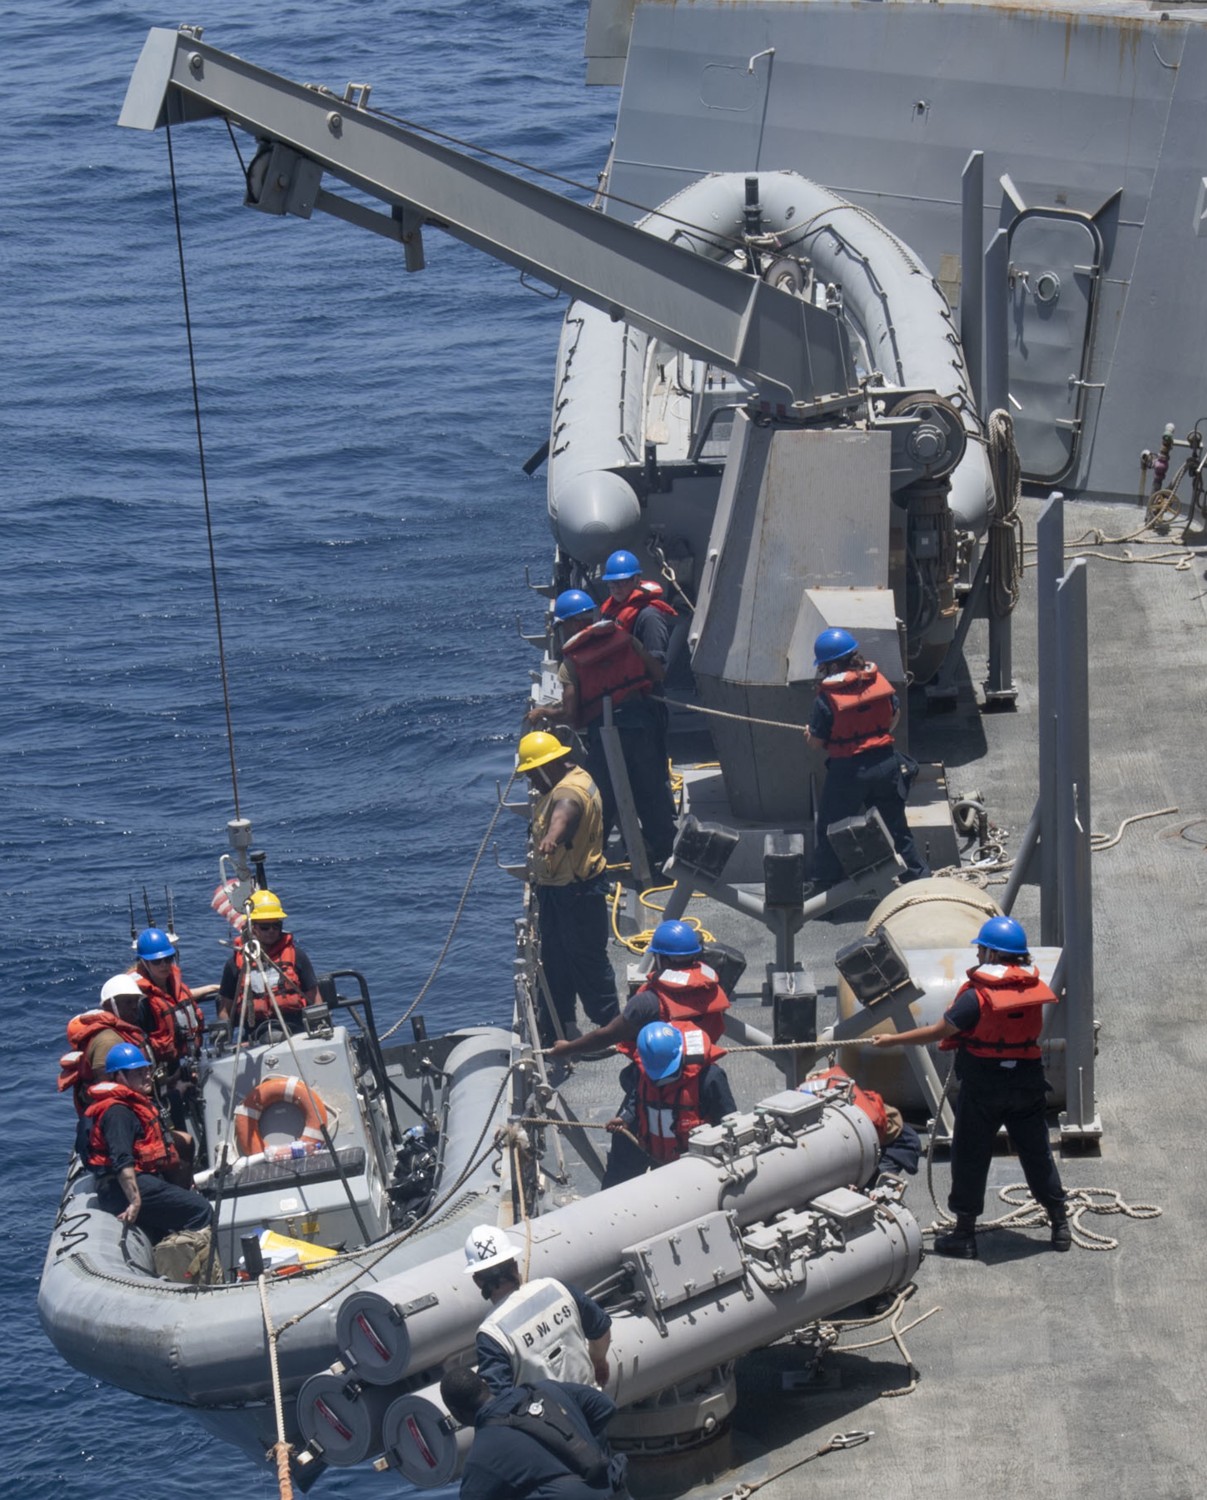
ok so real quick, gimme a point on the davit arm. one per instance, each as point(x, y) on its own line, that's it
point(710, 311)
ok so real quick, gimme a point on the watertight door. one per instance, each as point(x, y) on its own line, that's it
point(1055, 258)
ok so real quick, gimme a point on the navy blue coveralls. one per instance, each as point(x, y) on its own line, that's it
point(641, 722)
point(505, 1464)
point(996, 1092)
point(872, 779)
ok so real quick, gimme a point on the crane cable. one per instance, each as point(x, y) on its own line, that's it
point(205, 490)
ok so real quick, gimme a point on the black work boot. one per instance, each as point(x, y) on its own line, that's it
point(960, 1242)
point(1062, 1230)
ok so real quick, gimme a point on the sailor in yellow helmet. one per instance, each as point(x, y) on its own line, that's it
point(278, 967)
point(567, 867)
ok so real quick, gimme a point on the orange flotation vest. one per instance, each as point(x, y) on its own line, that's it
point(867, 1099)
point(862, 704)
point(283, 957)
point(75, 1071)
point(173, 1006)
point(693, 995)
point(1011, 1000)
point(605, 662)
point(667, 1113)
point(645, 596)
point(154, 1149)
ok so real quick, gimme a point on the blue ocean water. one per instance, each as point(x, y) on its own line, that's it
point(365, 431)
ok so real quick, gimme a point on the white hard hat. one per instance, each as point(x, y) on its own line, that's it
point(119, 985)
point(487, 1246)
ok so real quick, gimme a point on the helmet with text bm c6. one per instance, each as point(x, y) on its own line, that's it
point(660, 1047)
point(266, 907)
point(1002, 935)
point(486, 1247)
point(123, 1056)
point(833, 645)
point(538, 749)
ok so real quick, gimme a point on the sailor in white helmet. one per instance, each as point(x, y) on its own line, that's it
point(541, 1330)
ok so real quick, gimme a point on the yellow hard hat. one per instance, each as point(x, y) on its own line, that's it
point(265, 907)
point(538, 749)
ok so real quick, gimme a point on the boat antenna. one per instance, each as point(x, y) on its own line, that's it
point(205, 491)
point(146, 906)
point(133, 923)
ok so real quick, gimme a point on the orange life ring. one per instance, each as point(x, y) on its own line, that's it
point(279, 1089)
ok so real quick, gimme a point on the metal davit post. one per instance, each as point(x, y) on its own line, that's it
point(1080, 1120)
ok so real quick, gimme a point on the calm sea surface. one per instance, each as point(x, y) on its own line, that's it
point(365, 431)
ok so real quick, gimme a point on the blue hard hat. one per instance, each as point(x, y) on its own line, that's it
point(571, 604)
point(675, 940)
point(124, 1055)
point(833, 645)
point(660, 1047)
point(619, 566)
point(153, 943)
point(1003, 935)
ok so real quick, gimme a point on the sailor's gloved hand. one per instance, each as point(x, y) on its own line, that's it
point(614, 1124)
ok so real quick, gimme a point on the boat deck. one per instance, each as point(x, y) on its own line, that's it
point(1039, 1373)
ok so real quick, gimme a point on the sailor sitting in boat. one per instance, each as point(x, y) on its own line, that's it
point(275, 969)
point(535, 1442)
point(600, 659)
point(542, 1330)
point(680, 987)
point(139, 1166)
point(672, 1086)
point(122, 1016)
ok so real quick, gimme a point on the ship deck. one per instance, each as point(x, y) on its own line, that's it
point(1038, 1373)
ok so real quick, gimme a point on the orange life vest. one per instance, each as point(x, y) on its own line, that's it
point(867, 1099)
point(862, 704)
point(174, 1004)
point(1011, 1000)
point(283, 957)
point(644, 596)
point(693, 995)
point(75, 1072)
point(667, 1113)
point(154, 1150)
point(605, 661)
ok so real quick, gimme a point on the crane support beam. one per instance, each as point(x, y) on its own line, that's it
point(796, 353)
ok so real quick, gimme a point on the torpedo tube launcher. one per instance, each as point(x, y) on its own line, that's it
point(755, 1231)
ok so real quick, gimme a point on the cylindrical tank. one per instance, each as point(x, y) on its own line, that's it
point(935, 922)
point(420, 1318)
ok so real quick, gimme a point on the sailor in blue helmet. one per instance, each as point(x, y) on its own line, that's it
point(993, 1026)
point(637, 604)
point(673, 1085)
point(854, 715)
point(679, 987)
point(535, 1441)
point(600, 659)
point(139, 1166)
